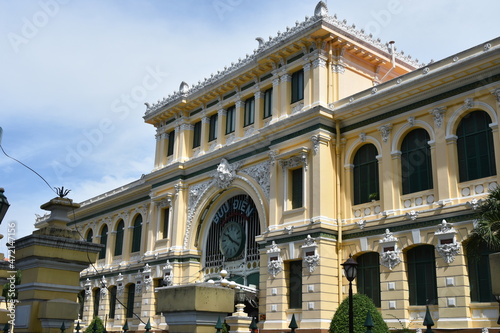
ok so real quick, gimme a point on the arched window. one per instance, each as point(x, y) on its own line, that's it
point(104, 241)
point(416, 166)
point(90, 236)
point(476, 156)
point(479, 275)
point(365, 172)
point(368, 278)
point(112, 302)
point(97, 298)
point(120, 229)
point(130, 300)
point(136, 234)
point(422, 275)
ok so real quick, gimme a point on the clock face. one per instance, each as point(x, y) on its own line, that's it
point(232, 240)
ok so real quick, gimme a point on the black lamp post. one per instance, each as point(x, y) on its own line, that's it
point(497, 297)
point(4, 204)
point(350, 271)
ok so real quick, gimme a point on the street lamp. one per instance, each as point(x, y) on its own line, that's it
point(497, 297)
point(4, 204)
point(350, 271)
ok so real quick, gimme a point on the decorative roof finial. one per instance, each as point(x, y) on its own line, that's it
point(183, 88)
point(321, 9)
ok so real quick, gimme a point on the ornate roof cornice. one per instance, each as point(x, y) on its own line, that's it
point(320, 14)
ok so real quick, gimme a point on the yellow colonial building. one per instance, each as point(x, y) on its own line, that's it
point(323, 143)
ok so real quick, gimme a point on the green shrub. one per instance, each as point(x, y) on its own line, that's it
point(361, 305)
point(96, 321)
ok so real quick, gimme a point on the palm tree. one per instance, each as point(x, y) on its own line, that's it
point(486, 233)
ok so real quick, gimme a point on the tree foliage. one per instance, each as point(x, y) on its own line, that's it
point(486, 233)
point(100, 326)
point(361, 305)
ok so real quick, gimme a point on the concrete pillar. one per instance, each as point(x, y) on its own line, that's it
point(51, 260)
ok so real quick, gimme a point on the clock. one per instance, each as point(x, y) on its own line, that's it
point(232, 240)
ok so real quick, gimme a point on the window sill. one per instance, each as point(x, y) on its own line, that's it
point(294, 211)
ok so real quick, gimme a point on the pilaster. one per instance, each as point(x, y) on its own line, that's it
point(239, 118)
point(286, 94)
point(320, 81)
point(221, 127)
point(205, 127)
point(259, 110)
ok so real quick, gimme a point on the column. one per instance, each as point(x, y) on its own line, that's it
point(348, 174)
point(185, 141)
point(394, 294)
point(319, 82)
point(259, 110)
point(441, 162)
point(205, 124)
point(451, 181)
point(397, 180)
point(221, 127)
point(286, 94)
point(163, 150)
point(158, 149)
point(239, 119)
point(308, 85)
point(322, 177)
point(276, 98)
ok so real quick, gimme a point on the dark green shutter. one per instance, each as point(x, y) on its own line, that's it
point(212, 132)
point(476, 156)
point(120, 229)
point(297, 188)
point(90, 236)
point(171, 142)
point(112, 302)
point(295, 285)
point(479, 276)
point(298, 86)
point(422, 275)
point(249, 111)
point(130, 300)
point(230, 119)
point(365, 174)
point(166, 213)
point(368, 279)
point(268, 103)
point(104, 241)
point(136, 234)
point(197, 134)
point(97, 298)
point(416, 165)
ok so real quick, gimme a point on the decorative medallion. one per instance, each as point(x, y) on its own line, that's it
point(274, 260)
point(390, 256)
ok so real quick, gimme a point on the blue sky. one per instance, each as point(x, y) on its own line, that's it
point(75, 74)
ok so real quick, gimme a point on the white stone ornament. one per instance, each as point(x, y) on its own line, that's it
point(103, 288)
point(167, 274)
point(119, 285)
point(224, 174)
point(390, 256)
point(147, 278)
point(274, 260)
point(447, 247)
point(310, 253)
point(88, 288)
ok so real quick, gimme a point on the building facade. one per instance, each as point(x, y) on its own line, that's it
point(323, 143)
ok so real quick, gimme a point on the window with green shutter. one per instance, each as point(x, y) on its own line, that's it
point(298, 86)
point(112, 302)
point(90, 236)
point(104, 241)
point(249, 116)
point(97, 298)
point(130, 300)
point(171, 143)
point(136, 234)
point(120, 230)
point(268, 103)
point(476, 155)
point(368, 279)
point(166, 216)
point(365, 174)
point(197, 134)
point(422, 275)
point(212, 127)
point(297, 184)
point(416, 166)
point(295, 284)
point(230, 119)
point(479, 276)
